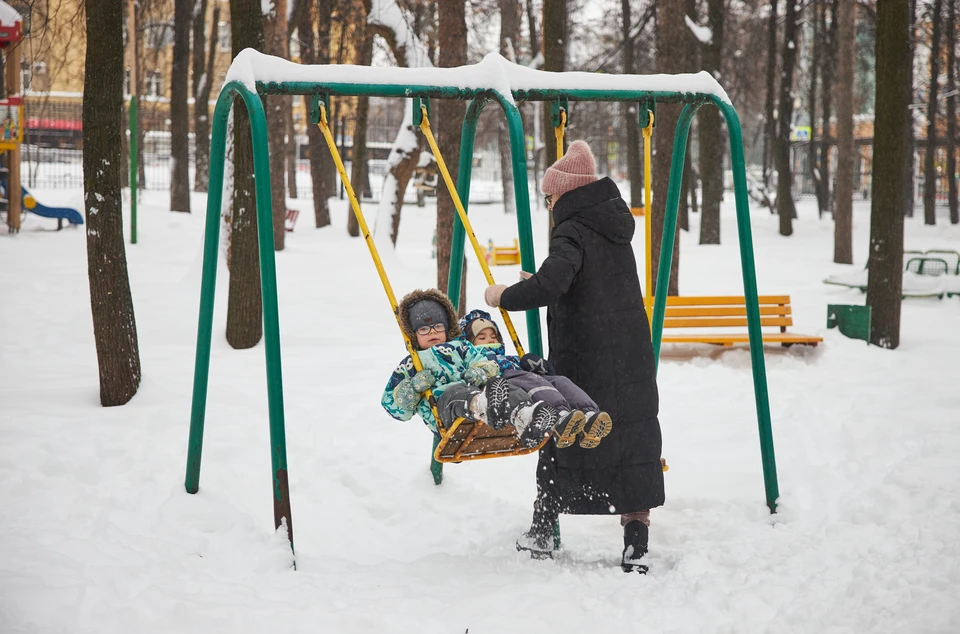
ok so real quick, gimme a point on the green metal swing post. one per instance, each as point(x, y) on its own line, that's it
point(748, 269)
point(268, 286)
point(479, 97)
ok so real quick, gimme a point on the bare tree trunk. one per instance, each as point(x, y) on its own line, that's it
point(202, 85)
point(929, 159)
point(672, 34)
point(885, 279)
point(358, 172)
point(911, 163)
point(554, 59)
point(291, 158)
point(686, 186)
point(785, 206)
point(631, 118)
point(244, 300)
point(843, 203)
point(769, 126)
point(952, 112)
point(114, 323)
point(314, 52)
point(818, 36)
point(276, 106)
point(510, 18)
point(452, 40)
point(179, 114)
point(710, 134)
point(824, 195)
point(408, 144)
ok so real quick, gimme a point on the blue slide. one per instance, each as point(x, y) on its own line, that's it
point(31, 204)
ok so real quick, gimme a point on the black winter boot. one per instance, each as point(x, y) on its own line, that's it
point(497, 392)
point(538, 541)
point(635, 536)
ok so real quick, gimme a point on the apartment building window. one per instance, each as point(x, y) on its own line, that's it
point(154, 83)
point(159, 34)
point(33, 75)
point(223, 36)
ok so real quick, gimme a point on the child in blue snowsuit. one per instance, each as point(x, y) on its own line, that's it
point(579, 414)
point(464, 379)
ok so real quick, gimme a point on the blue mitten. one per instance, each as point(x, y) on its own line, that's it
point(478, 373)
point(423, 381)
point(537, 365)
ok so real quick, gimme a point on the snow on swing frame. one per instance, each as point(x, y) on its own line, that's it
point(253, 74)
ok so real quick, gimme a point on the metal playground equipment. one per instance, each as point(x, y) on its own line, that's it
point(494, 80)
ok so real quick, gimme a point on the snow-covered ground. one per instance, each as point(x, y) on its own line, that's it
point(98, 535)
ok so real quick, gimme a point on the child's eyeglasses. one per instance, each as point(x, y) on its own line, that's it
point(426, 330)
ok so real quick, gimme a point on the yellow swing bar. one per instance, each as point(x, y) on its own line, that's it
point(427, 132)
point(355, 204)
point(465, 439)
point(558, 131)
point(647, 212)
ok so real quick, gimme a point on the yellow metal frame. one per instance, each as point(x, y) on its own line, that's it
point(445, 434)
point(468, 228)
point(647, 215)
point(559, 131)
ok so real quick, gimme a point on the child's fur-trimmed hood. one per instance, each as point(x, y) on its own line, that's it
point(411, 298)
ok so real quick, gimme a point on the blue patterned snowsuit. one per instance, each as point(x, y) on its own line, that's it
point(558, 391)
point(447, 361)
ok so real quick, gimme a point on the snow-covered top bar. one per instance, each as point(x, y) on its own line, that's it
point(493, 72)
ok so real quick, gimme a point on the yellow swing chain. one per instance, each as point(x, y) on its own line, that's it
point(427, 132)
point(355, 204)
point(558, 131)
point(647, 211)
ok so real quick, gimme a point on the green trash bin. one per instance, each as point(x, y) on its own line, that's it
point(853, 321)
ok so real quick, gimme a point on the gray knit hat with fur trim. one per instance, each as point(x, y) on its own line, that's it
point(427, 312)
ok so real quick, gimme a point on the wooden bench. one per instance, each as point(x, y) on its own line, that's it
point(695, 313)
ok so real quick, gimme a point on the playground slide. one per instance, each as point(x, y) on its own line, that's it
point(32, 205)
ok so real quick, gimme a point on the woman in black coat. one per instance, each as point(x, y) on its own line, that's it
point(599, 337)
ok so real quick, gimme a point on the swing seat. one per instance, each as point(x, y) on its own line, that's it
point(469, 440)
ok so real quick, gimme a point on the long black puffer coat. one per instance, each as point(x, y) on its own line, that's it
point(600, 338)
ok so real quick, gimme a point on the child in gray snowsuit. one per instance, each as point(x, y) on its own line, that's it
point(579, 414)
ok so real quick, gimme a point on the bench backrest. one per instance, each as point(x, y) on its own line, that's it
point(725, 311)
point(928, 266)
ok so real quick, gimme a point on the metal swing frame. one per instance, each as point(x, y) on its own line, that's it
point(478, 98)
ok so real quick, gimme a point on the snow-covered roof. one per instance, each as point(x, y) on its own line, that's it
point(8, 15)
point(493, 72)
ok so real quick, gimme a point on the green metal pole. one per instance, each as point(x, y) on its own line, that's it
point(268, 285)
point(518, 151)
point(464, 173)
point(271, 312)
point(208, 284)
point(670, 224)
point(134, 168)
point(749, 270)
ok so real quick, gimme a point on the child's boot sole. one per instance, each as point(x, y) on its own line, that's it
point(599, 429)
point(566, 434)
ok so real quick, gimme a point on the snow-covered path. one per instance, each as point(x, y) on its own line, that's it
point(98, 535)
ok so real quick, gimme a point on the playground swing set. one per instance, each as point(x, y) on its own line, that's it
point(254, 74)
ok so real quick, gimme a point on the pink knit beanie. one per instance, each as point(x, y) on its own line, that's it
point(576, 169)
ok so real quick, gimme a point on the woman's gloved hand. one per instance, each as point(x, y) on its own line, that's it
point(493, 293)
